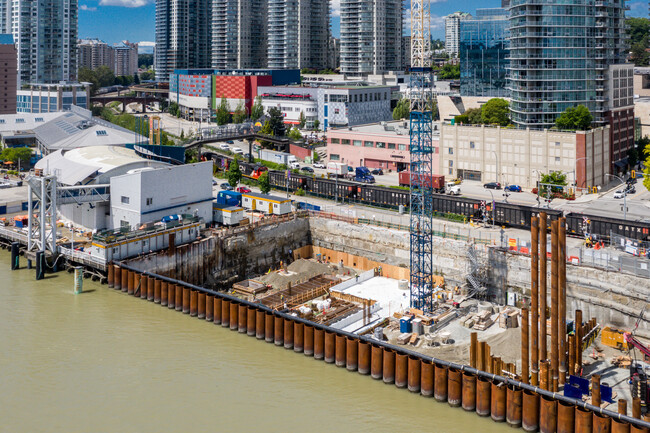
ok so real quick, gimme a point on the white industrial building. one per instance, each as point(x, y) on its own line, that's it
point(148, 194)
point(151, 189)
point(332, 104)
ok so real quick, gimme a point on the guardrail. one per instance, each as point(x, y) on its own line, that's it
point(84, 258)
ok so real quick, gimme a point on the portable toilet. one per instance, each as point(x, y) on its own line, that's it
point(405, 324)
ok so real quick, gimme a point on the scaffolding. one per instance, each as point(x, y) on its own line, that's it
point(421, 150)
point(477, 273)
point(41, 228)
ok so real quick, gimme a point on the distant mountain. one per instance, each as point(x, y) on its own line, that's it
point(145, 47)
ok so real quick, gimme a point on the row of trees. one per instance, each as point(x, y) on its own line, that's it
point(449, 72)
point(493, 112)
point(104, 77)
point(403, 108)
point(638, 29)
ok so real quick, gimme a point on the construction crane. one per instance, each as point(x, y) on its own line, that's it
point(421, 150)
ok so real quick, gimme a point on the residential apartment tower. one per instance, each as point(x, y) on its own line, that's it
point(45, 33)
point(371, 36)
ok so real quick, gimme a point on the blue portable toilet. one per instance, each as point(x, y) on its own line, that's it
point(405, 325)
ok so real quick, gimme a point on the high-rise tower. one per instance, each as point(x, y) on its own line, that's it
point(371, 36)
point(298, 33)
point(183, 35)
point(562, 56)
point(45, 34)
point(239, 34)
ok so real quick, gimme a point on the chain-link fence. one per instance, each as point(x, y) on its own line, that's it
point(631, 246)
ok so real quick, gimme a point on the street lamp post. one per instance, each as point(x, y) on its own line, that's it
point(624, 194)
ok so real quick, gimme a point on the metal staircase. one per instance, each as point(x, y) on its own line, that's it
point(477, 274)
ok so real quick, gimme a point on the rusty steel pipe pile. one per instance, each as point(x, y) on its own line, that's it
point(460, 385)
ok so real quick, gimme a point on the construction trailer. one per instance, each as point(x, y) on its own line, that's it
point(226, 215)
point(269, 204)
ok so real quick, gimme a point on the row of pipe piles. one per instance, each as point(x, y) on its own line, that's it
point(549, 373)
point(500, 396)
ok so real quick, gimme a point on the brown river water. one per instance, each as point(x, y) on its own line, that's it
point(103, 361)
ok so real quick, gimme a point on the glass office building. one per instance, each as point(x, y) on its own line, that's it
point(560, 54)
point(483, 53)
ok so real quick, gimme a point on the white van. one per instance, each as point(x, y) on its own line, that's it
point(294, 166)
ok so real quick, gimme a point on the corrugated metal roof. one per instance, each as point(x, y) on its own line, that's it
point(66, 171)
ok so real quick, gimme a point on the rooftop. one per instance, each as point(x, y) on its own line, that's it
point(392, 128)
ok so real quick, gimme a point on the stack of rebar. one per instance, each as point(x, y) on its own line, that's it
point(555, 366)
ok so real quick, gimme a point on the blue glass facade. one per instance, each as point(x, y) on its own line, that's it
point(559, 57)
point(483, 52)
point(35, 103)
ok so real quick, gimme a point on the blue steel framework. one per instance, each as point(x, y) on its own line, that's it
point(421, 149)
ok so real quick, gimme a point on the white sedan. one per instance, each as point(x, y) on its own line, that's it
point(237, 151)
point(318, 165)
point(619, 194)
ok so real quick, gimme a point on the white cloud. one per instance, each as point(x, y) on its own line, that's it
point(87, 8)
point(336, 8)
point(124, 3)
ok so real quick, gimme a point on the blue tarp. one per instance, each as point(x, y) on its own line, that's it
point(308, 206)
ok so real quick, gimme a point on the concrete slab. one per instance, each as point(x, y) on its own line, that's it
point(384, 291)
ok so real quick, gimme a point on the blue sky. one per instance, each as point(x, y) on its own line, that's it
point(116, 20)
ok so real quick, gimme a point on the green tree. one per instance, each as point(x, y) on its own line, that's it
point(105, 76)
point(264, 183)
point(553, 178)
point(316, 124)
point(302, 120)
point(234, 173)
point(223, 112)
point(449, 72)
point(295, 135)
point(136, 78)
point(575, 119)
point(266, 130)
point(20, 156)
point(277, 121)
point(258, 110)
point(86, 75)
point(148, 75)
point(145, 60)
point(639, 55)
point(240, 113)
point(638, 28)
point(646, 172)
point(641, 147)
point(495, 112)
point(402, 109)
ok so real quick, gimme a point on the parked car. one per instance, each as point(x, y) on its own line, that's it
point(492, 185)
point(513, 188)
point(457, 181)
point(226, 186)
point(230, 142)
point(307, 169)
point(214, 182)
point(377, 171)
point(243, 189)
point(237, 151)
point(319, 165)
